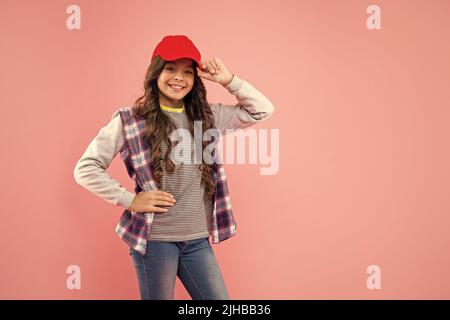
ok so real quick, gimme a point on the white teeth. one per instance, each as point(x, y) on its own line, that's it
point(176, 87)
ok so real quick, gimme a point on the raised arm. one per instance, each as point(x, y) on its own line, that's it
point(252, 107)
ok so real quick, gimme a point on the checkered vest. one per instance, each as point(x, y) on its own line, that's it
point(134, 227)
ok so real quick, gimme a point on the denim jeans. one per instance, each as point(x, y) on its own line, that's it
point(193, 261)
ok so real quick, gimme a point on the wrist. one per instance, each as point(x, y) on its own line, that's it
point(225, 83)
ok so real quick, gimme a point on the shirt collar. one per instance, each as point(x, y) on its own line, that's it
point(172, 109)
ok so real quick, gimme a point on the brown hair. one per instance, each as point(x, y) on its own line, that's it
point(160, 125)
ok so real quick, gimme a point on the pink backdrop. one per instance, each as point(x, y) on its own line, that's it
point(363, 118)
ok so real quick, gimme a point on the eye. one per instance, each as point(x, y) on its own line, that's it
point(171, 68)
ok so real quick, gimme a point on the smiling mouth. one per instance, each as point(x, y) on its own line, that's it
point(176, 88)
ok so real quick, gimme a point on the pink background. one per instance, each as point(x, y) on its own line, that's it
point(363, 114)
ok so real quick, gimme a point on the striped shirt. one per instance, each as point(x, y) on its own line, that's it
point(189, 218)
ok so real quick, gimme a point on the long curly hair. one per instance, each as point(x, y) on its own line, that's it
point(160, 126)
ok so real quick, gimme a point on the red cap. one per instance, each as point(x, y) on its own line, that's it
point(176, 47)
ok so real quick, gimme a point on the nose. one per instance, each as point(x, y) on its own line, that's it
point(179, 75)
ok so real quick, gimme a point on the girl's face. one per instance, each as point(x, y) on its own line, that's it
point(179, 72)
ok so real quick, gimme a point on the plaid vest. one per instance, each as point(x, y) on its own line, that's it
point(134, 227)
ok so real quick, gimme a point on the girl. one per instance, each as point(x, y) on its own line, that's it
point(167, 221)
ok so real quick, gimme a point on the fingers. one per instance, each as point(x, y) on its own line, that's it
point(157, 209)
point(163, 193)
point(159, 193)
point(154, 206)
point(163, 198)
point(162, 203)
point(217, 63)
point(212, 66)
point(149, 200)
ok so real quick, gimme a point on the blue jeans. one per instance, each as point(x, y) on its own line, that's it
point(193, 261)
